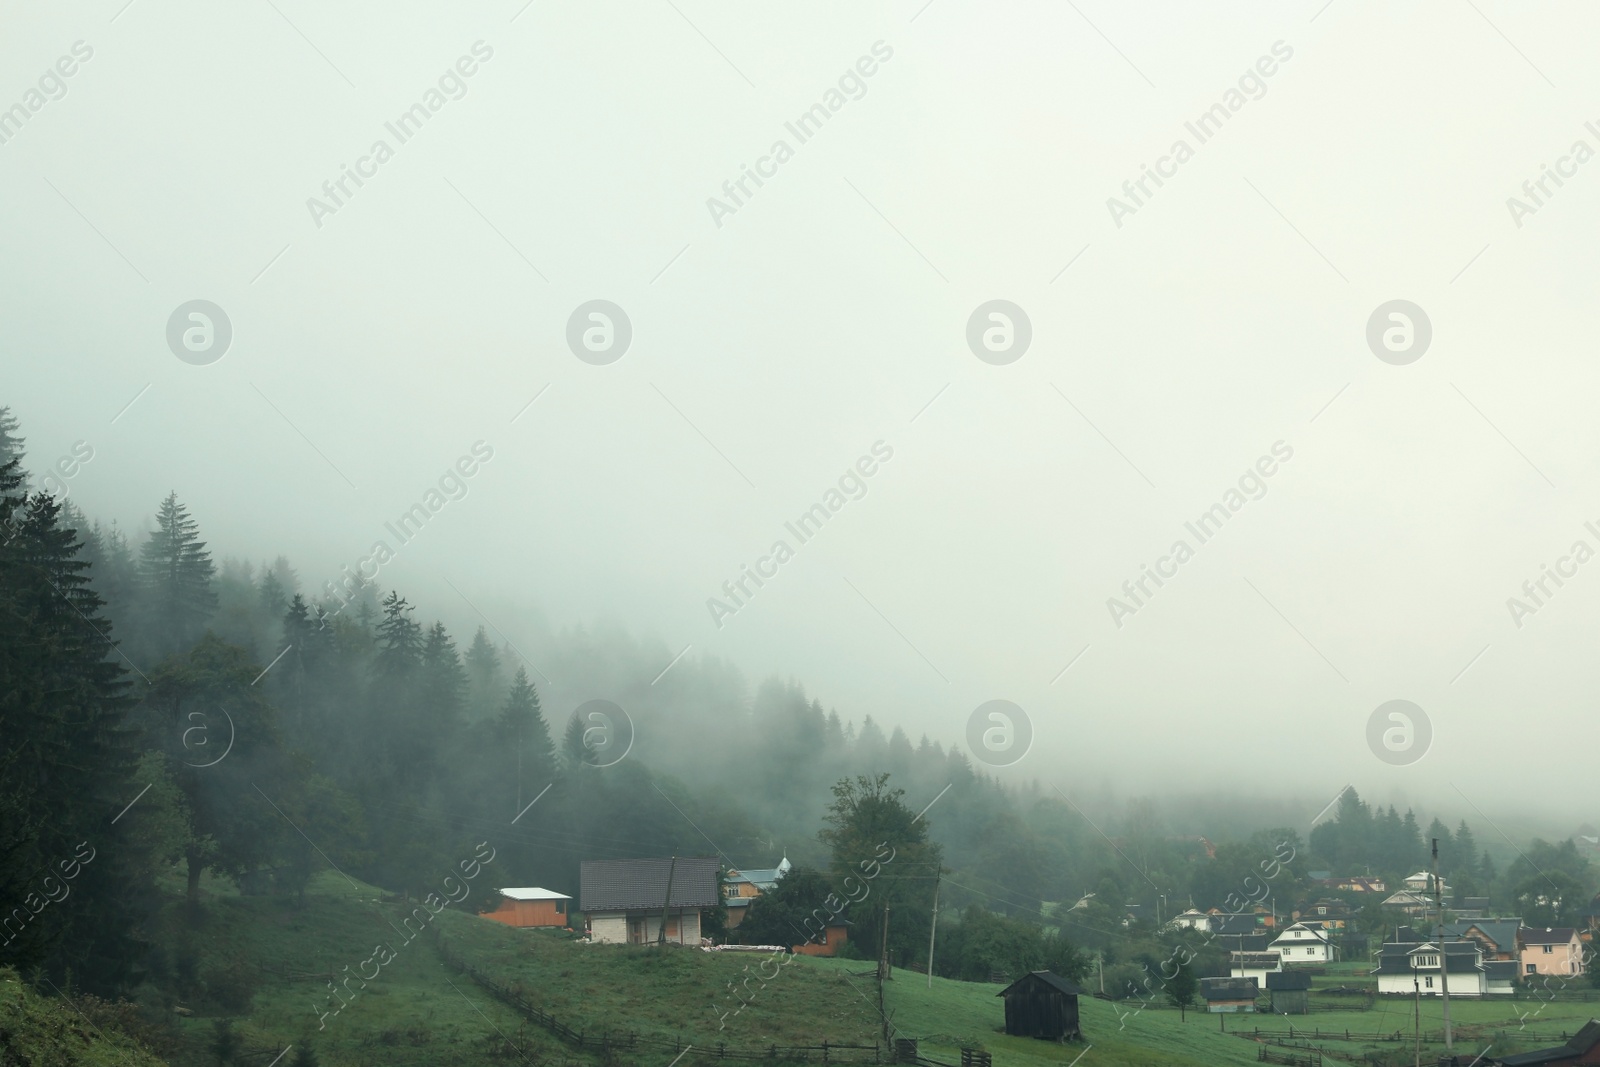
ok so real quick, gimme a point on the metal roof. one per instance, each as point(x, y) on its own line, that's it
point(534, 893)
point(1054, 981)
point(639, 885)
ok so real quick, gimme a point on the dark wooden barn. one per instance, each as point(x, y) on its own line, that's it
point(1289, 992)
point(1042, 1005)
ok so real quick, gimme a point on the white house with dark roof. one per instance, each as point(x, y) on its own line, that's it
point(625, 901)
point(1303, 943)
point(1410, 967)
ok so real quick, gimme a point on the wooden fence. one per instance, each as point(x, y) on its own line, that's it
point(1319, 1034)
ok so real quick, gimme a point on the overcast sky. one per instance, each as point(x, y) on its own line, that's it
point(778, 337)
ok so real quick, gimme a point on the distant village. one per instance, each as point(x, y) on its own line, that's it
point(1479, 955)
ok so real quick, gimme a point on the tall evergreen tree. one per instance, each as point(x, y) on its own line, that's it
point(483, 675)
point(523, 731)
point(176, 572)
point(65, 759)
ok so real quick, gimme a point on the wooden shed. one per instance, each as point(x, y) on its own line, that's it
point(1289, 992)
point(1229, 994)
point(1042, 1005)
point(530, 907)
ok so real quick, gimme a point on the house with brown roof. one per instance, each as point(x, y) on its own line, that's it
point(1553, 950)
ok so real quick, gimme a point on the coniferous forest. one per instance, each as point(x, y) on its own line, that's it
point(173, 720)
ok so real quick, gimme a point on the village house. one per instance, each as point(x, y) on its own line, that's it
point(1329, 913)
point(530, 907)
point(1409, 967)
point(741, 888)
point(1300, 943)
point(1254, 965)
point(1356, 885)
point(1552, 950)
point(1410, 903)
point(1422, 882)
point(1190, 920)
point(625, 901)
point(1497, 937)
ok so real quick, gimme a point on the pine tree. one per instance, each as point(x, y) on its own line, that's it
point(11, 445)
point(176, 574)
point(522, 726)
point(65, 762)
point(399, 640)
point(483, 674)
point(444, 682)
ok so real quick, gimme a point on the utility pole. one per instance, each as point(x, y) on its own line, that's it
point(883, 952)
point(1416, 989)
point(933, 928)
point(1444, 961)
point(666, 905)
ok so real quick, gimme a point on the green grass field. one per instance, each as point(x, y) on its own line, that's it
point(419, 1010)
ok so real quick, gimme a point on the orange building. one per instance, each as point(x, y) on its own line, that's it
point(833, 938)
point(530, 907)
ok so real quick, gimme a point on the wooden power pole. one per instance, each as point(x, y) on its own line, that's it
point(932, 929)
point(883, 952)
point(1444, 960)
point(666, 905)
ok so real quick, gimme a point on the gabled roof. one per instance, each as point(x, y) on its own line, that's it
point(1228, 988)
point(1054, 981)
point(1315, 935)
point(1461, 957)
point(1237, 923)
point(639, 885)
point(764, 878)
point(534, 893)
point(1501, 931)
point(1549, 935)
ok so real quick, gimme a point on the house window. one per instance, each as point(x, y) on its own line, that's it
point(733, 891)
point(1549, 949)
point(1428, 982)
point(561, 907)
point(1308, 951)
point(1532, 969)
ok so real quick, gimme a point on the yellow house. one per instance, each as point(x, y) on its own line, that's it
point(741, 888)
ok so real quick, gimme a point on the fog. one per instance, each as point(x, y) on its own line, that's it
point(789, 335)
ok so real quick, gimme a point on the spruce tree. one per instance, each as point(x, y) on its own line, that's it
point(176, 573)
point(483, 674)
point(65, 761)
